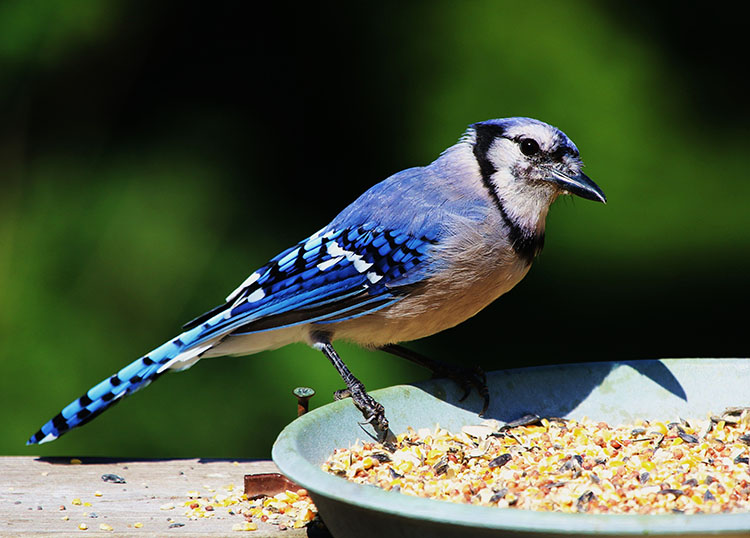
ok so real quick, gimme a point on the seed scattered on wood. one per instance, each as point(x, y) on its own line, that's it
point(288, 509)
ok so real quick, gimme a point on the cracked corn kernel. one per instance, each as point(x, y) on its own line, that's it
point(106, 527)
point(566, 465)
point(83, 526)
point(138, 525)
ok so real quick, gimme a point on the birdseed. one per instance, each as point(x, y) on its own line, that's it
point(288, 509)
point(567, 465)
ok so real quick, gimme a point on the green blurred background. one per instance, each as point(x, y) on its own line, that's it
point(153, 154)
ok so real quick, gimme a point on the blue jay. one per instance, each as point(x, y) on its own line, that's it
point(416, 254)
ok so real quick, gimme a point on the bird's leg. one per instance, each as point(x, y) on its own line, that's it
point(371, 410)
point(467, 378)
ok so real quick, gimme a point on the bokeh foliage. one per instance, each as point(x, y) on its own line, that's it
point(153, 154)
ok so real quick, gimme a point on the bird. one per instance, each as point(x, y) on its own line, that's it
point(417, 253)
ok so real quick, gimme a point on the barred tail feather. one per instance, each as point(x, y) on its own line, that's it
point(128, 380)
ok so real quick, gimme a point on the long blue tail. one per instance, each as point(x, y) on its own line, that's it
point(330, 277)
point(99, 398)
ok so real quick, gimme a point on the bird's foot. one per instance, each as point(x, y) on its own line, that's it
point(468, 379)
point(372, 411)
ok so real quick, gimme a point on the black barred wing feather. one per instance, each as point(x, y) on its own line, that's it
point(333, 276)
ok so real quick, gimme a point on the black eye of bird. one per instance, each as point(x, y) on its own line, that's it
point(529, 146)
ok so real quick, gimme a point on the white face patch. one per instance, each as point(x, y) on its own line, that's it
point(525, 203)
point(520, 182)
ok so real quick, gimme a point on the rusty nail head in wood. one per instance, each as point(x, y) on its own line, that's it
point(303, 395)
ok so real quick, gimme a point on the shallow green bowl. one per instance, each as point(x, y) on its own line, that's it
point(611, 391)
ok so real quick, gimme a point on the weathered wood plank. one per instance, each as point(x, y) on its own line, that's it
point(33, 490)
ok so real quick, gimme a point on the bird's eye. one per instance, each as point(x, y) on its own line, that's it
point(529, 146)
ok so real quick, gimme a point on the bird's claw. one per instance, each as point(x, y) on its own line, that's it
point(372, 411)
point(467, 379)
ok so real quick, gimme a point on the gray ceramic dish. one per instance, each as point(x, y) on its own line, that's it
point(611, 391)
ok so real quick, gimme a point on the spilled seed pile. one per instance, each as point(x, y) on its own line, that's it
point(288, 509)
point(567, 465)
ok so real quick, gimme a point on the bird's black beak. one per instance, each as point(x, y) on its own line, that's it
point(580, 185)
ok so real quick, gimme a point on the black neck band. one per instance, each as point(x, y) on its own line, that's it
point(526, 243)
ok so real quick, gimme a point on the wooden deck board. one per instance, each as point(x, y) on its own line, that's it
point(33, 490)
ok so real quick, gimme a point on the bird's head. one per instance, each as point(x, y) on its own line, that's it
point(524, 165)
point(527, 163)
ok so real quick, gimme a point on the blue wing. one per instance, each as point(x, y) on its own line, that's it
point(335, 275)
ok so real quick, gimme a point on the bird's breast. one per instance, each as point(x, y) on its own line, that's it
point(468, 284)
